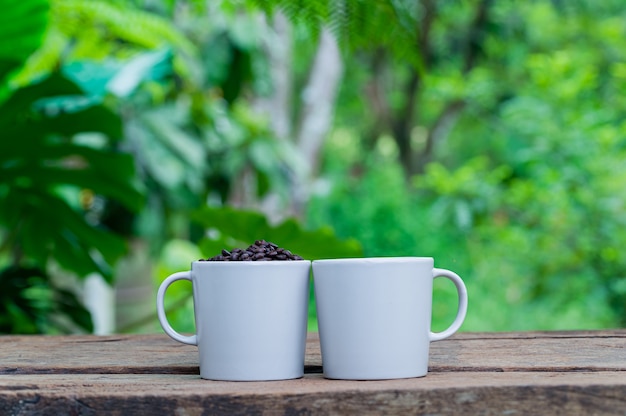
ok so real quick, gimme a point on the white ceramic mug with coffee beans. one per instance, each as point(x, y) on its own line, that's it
point(374, 315)
point(251, 318)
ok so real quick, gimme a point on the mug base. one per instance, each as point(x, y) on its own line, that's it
point(250, 379)
point(371, 377)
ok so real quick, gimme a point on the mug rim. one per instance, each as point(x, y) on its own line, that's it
point(390, 259)
point(251, 262)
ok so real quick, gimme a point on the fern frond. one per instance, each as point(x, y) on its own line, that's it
point(357, 24)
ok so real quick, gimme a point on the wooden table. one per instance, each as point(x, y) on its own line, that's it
point(534, 373)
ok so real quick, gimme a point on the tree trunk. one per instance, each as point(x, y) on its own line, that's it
point(279, 50)
point(375, 91)
point(404, 120)
point(318, 98)
point(277, 106)
point(448, 117)
point(314, 121)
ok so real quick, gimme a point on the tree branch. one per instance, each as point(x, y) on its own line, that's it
point(404, 120)
point(318, 97)
point(318, 103)
point(438, 132)
point(476, 37)
point(375, 93)
point(452, 110)
point(278, 48)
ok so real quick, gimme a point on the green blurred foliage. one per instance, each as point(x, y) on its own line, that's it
point(58, 149)
point(32, 304)
point(134, 119)
point(230, 228)
point(24, 22)
point(43, 161)
point(526, 197)
point(117, 123)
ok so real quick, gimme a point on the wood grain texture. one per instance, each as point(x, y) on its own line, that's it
point(565, 373)
point(88, 354)
point(157, 353)
point(437, 393)
point(533, 351)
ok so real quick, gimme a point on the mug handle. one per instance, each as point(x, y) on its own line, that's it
point(191, 340)
point(462, 309)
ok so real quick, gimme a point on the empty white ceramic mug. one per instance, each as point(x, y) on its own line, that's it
point(251, 318)
point(374, 315)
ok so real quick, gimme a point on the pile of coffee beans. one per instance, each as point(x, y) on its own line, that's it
point(261, 250)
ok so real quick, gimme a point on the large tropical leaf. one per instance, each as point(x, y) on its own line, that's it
point(120, 78)
point(30, 302)
point(42, 162)
point(59, 106)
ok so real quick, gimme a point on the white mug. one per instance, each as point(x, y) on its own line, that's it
point(374, 315)
point(251, 318)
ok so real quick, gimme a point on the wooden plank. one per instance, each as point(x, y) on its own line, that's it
point(116, 354)
point(89, 354)
point(532, 351)
point(495, 373)
point(158, 354)
point(596, 333)
point(597, 393)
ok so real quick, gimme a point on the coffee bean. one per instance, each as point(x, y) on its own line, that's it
point(261, 250)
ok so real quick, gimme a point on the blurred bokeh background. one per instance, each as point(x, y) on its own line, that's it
point(137, 136)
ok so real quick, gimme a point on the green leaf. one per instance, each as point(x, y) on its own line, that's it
point(29, 300)
point(93, 119)
point(92, 76)
point(20, 106)
point(67, 303)
point(32, 151)
point(24, 22)
point(145, 66)
point(244, 227)
point(51, 228)
point(181, 144)
point(39, 157)
point(122, 22)
point(118, 77)
point(240, 71)
point(22, 27)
